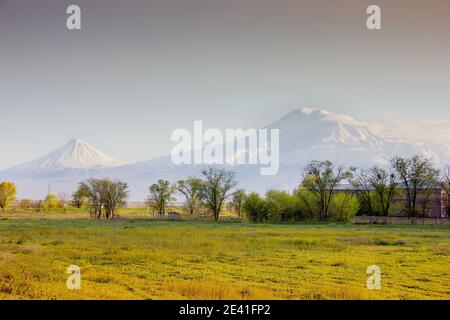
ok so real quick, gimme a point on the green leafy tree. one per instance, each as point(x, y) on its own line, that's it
point(51, 201)
point(216, 188)
point(114, 195)
point(282, 206)
point(190, 189)
point(92, 189)
point(377, 188)
point(419, 178)
point(103, 196)
point(161, 194)
point(255, 208)
point(343, 207)
point(361, 181)
point(321, 179)
point(384, 184)
point(308, 203)
point(80, 198)
point(237, 200)
point(8, 194)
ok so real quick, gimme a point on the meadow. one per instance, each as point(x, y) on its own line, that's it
point(139, 258)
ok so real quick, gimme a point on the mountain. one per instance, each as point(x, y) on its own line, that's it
point(61, 169)
point(308, 133)
point(76, 154)
point(305, 134)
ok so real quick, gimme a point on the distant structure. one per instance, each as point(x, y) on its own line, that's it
point(437, 206)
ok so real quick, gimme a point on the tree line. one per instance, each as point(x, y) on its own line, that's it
point(211, 192)
point(405, 187)
point(104, 196)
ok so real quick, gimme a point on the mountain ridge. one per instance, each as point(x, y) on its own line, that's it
point(75, 154)
point(305, 134)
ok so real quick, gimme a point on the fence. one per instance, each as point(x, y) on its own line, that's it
point(400, 220)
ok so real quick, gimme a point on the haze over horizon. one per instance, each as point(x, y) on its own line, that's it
point(80, 153)
point(141, 69)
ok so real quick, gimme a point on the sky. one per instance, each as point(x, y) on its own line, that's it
point(138, 70)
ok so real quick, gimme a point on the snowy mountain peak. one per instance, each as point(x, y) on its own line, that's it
point(76, 154)
point(323, 115)
point(315, 126)
point(305, 134)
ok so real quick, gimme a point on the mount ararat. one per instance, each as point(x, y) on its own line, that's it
point(305, 134)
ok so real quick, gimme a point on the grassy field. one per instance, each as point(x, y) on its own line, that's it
point(135, 258)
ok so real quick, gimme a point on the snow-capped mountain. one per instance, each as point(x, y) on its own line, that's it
point(305, 134)
point(76, 154)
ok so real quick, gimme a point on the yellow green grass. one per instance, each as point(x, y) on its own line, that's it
point(135, 258)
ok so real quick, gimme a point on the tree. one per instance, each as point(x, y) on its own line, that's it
point(419, 178)
point(384, 184)
point(216, 188)
point(255, 208)
point(51, 201)
point(92, 189)
point(321, 179)
point(63, 199)
point(104, 195)
point(343, 207)
point(375, 185)
point(8, 194)
point(237, 200)
point(190, 189)
point(282, 206)
point(160, 195)
point(308, 204)
point(80, 198)
point(114, 195)
point(26, 203)
point(360, 180)
point(445, 180)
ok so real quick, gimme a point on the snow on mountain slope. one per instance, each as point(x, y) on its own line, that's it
point(305, 134)
point(76, 154)
point(312, 127)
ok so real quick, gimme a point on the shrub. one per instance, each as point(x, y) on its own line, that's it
point(8, 193)
point(255, 207)
point(51, 201)
point(26, 204)
point(282, 206)
point(344, 207)
point(307, 202)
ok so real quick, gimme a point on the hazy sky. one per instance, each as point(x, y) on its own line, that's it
point(140, 69)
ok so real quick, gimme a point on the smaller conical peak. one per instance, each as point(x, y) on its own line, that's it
point(77, 154)
point(77, 141)
point(76, 145)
